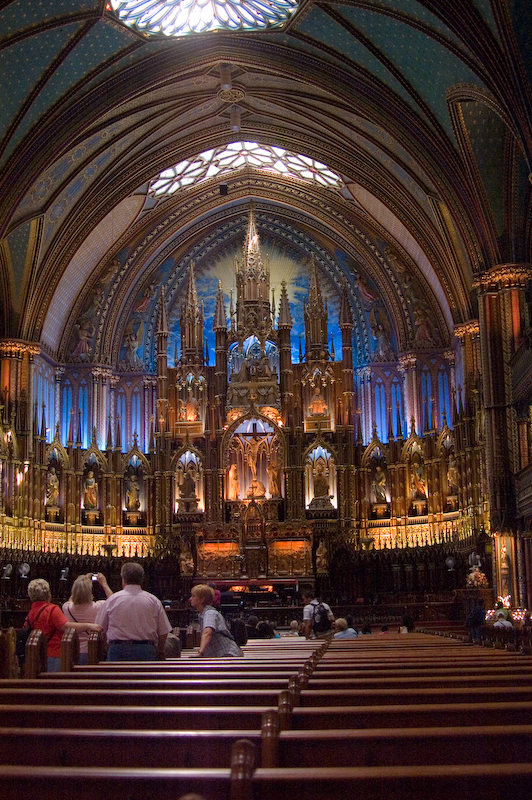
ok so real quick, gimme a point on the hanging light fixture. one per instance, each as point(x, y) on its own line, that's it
point(225, 77)
point(235, 118)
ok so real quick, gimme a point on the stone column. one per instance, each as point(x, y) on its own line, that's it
point(501, 292)
point(407, 366)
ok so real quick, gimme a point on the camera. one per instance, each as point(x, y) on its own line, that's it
point(94, 576)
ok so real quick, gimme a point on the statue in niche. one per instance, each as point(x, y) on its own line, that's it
point(260, 368)
point(192, 409)
point(274, 485)
point(505, 572)
point(188, 487)
point(133, 493)
point(322, 562)
point(242, 376)
point(321, 482)
point(452, 476)
point(253, 447)
point(379, 484)
point(52, 487)
point(233, 483)
point(186, 560)
point(418, 482)
point(90, 486)
point(317, 405)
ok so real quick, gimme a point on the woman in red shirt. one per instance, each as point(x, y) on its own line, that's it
point(48, 618)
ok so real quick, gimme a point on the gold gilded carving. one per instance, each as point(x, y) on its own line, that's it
point(470, 328)
point(233, 95)
point(503, 276)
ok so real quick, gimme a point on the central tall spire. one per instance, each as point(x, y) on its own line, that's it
point(315, 316)
point(253, 311)
point(191, 323)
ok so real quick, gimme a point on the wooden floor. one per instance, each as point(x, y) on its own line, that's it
point(401, 717)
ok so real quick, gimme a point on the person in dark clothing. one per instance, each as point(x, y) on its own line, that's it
point(475, 621)
point(251, 627)
point(408, 622)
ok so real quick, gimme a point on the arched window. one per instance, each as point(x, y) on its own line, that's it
point(66, 409)
point(49, 409)
point(443, 396)
point(121, 419)
point(39, 397)
point(320, 477)
point(44, 395)
point(397, 408)
point(83, 405)
point(136, 426)
point(380, 409)
point(426, 396)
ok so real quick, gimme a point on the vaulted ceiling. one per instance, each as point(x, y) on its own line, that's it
point(422, 107)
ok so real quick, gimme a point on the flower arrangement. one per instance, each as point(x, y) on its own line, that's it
point(476, 580)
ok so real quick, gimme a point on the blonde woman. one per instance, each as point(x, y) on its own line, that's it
point(216, 638)
point(81, 607)
point(47, 617)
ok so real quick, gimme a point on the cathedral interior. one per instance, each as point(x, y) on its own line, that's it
point(265, 294)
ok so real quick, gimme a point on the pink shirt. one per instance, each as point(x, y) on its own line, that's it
point(133, 615)
point(84, 613)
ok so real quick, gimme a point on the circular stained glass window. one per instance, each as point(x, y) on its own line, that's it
point(238, 155)
point(180, 17)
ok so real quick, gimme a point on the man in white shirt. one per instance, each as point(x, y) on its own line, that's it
point(501, 621)
point(311, 613)
point(134, 621)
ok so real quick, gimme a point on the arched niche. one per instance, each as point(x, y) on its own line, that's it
point(320, 479)
point(189, 482)
point(253, 451)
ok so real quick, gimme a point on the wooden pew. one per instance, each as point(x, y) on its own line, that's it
point(260, 697)
point(474, 782)
point(283, 782)
point(278, 681)
point(131, 717)
point(335, 748)
point(67, 747)
point(8, 659)
point(405, 716)
point(392, 746)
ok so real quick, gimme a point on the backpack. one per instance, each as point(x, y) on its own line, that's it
point(320, 619)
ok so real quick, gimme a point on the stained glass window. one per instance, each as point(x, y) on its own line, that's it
point(181, 17)
point(83, 405)
point(445, 400)
point(380, 410)
point(66, 407)
point(237, 155)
